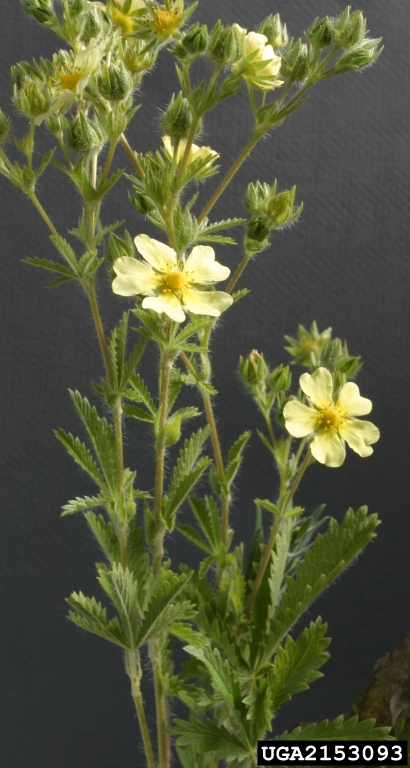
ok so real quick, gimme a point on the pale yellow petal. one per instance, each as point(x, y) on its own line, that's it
point(134, 277)
point(254, 41)
point(157, 254)
point(351, 402)
point(169, 149)
point(359, 435)
point(327, 448)
point(201, 267)
point(166, 303)
point(299, 419)
point(318, 386)
point(206, 302)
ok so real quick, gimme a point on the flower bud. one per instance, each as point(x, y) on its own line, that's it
point(193, 44)
point(350, 29)
point(77, 7)
point(4, 126)
point(224, 45)
point(177, 119)
point(173, 431)
point(320, 33)
point(83, 135)
point(114, 82)
point(280, 379)
point(95, 25)
point(257, 195)
point(143, 203)
point(31, 99)
point(280, 208)
point(275, 31)
point(253, 369)
point(258, 229)
point(41, 10)
point(56, 124)
point(134, 60)
point(358, 58)
point(295, 61)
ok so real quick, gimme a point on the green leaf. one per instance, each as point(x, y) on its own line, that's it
point(339, 728)
point(164, 608)
point(193, 536)
point(278, 562)
point(81, 455)
point(90, 615)
point(297, 663)
point(330, 555)
point(187, 472)
point(65, 250)
point(210, 737)
point(207, 514)
point(116, 349)
point(122, 589)
point(105, 534)
point(140, 393)
point(223, 677)
point(53, 266)
point(152, 327)
point(235, 457)
point(102, 438)
point(82, 504)
point(137, 413)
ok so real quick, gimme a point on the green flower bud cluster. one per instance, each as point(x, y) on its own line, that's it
point(320, 33)
point(271, 210)
point(32, 99)
point(313, 350)
point(114, 82)
point(264, 385)
point(350, 28)
point(224, 46)
point(135, 57)
point(177, 120)
point(295, 61)
point(84, 135)
point(274, 31)
point(193, 44)
point(42, 11)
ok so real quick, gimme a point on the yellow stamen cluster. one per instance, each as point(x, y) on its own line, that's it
point(175, 281)
point(332, 417)
point(70, 80)
point(125, 22)
point(164, 21)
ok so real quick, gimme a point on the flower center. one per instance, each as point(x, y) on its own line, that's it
point(331, 417)
point(176, 281)
point(165, 21)
point(70, 80)
point(124, 21)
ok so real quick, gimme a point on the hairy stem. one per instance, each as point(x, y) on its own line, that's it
point(34, 199)
point(161, 706)
point(229, 176)
point(132, 157)
point(262, 568)
point(135, 676)
point(235, 277)
point(166, 368)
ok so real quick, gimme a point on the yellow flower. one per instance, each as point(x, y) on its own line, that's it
point(331, 423)
point(73, 81)
point(170, 285)
point(125, 20)
point(195, 153)
point(264, 78)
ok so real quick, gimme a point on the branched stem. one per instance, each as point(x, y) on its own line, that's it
point(235, 277)
point(132, 156)
point(229, 176)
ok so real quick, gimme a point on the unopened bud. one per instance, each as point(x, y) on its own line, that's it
point(253, 369)
point(257, 195)
point(173, 431)
point(320, 33)
point(280, 379)
point(143, 203)
point(258, 229)
point(350, 30)
point(177, 120)
point(280, 208)
point(114, 82)
point(193, 44)
point(295, 61)
point(4, 126)
point(224, 47)
point(76, 7)
point(275, 31)
point(358, 58)
point(41, 10)
point(31, 99)
point(83, 135)
point(134, 59)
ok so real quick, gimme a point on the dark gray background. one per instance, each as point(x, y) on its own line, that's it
point(64, 696)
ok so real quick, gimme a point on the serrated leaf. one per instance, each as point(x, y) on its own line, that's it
point(164, 609)
point(187, 472)
point(330, 555)
point(53, 266)
point(152, 327)
point(278, 562)
point(185, 633)
point(81, 455)
point(193, 536)
point(82, 504)
point(235, 457)
point(190, 330)
point(223, 677)
point(297, 663)
point(122, 589)
point(137, 413)
point(237, 295)
point(105, 534)
point(102, 438)
point(140, 393)
point(210, 737)
point(207, 514)
point(90, 615)
point(65, 250)
point(339, 728)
